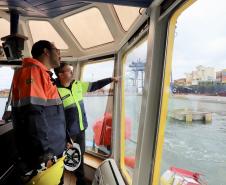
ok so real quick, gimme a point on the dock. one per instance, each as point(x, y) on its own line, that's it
point(190, 115)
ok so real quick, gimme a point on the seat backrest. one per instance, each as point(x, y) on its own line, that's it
point(108, 173)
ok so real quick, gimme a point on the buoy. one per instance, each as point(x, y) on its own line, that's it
point(102, 129)
point(177, 176)
point(130, 161)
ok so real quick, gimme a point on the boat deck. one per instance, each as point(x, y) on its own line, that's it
point(69, 178)
point(89, 160)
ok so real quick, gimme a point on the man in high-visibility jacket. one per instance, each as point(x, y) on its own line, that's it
point(71, 92)
point(38, 115)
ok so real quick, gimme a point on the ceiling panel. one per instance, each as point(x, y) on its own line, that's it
point(53, 8)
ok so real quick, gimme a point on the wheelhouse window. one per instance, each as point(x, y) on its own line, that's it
point(133, 83)
point(5, 83)
point(127, 15)
point(99, 106)
point(89, 28)
point(194, 143)
point(43, 30)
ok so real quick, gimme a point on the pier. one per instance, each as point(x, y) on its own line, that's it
point(190, 115)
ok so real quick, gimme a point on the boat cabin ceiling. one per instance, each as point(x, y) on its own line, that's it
point(81, 29)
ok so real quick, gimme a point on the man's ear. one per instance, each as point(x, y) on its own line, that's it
point(46, 52)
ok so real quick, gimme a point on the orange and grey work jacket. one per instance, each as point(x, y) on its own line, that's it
point(38, 114)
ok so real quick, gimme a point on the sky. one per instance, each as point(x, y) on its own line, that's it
point(200, 39)
point(98, 71)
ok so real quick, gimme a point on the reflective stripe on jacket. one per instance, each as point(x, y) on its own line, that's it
point(38, 114)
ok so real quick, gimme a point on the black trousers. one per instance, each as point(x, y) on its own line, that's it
point(79, 173)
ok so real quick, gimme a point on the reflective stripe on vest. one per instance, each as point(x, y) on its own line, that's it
point(72, 98)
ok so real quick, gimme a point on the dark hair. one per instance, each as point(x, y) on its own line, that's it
point(59, 69)
point(38, 48)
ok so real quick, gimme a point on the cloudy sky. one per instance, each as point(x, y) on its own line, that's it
point(94, 72)
point(200, 37)
point(200, 40)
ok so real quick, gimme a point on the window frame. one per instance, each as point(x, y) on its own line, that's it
point(137, 42)
point(165, 90)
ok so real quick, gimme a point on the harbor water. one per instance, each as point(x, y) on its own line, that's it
point(197, 147)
